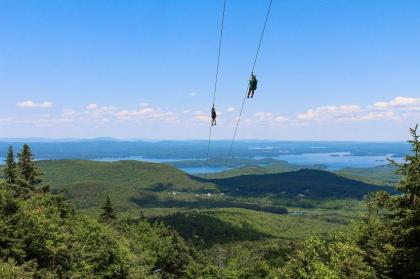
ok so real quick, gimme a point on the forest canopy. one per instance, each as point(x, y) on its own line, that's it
point(43, 236)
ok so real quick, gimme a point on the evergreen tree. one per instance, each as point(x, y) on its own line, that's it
point(333, 258)
point(10, 170)
point(108, 211)
point(28, 170)
point(410, 172)
point(404, 218)
point(390, 234)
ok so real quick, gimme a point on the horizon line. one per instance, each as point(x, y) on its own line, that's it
point(70, 139)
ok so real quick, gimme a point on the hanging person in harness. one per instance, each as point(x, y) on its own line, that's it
point(252, 85)
point(213, 116)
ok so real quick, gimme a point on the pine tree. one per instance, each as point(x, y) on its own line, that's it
point(410, 172)
point(108, 211)
point(28, 170)
point(390, 234)
point(404, 217)
point(10, 170)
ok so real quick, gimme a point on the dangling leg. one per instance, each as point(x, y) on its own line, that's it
point(249, 93)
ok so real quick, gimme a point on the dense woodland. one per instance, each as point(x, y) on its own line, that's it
point(44, 235)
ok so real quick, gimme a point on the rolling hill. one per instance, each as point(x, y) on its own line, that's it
point(86, 183)
point(308, 183)
point(383, 175)
point(132, 183)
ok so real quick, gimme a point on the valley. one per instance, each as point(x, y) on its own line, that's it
point(254, 203)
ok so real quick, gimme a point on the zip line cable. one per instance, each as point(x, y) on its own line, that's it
point(219, 52)
point(252, 72)
point(262, 36)
point(217, 75)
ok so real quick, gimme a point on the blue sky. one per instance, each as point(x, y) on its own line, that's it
point(328, 70)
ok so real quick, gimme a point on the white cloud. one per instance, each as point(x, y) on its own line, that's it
point(147, 113)
point(68, 115)
point(98, 114)
point(380, 105)
point(192, 94)
point(264, 116)
point(104, 110)
point(130, 114)
point(378, 115)
point(143, 112)
point(399, 103)
point(91, 106)
point(49, 120)
point(343, 112)
point(201, 118)
point(31, 104)
point(403, 101)
point(269, 117)
point(281, 118)
point(7, 120)
point(398, 108)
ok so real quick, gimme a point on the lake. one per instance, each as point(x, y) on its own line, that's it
point(333, 161)
point(191, 170)
point(338, 160)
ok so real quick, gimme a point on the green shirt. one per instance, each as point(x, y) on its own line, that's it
point(253, 83)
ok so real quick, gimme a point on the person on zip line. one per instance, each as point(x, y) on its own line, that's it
point(213, 116)
point(252, 85)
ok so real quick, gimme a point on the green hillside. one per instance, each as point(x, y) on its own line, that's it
point(86, 183)
point(251, 170)
point(133, 184)
point(226, 225)
point(315, 184)
point(237, 163)
point(381, 175)
point(244, 166)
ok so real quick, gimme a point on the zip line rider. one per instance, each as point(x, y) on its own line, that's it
point(252, 85)
point(213, 116)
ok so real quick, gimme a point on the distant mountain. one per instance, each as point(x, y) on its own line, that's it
point(305, 183)
point(55, 140)
point(194, 149)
